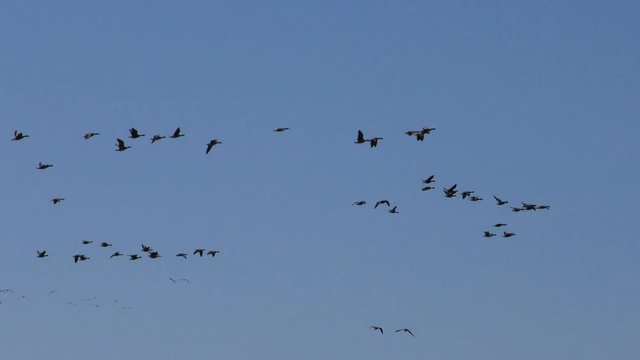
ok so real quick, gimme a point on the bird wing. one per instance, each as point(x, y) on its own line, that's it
point(409, 331)
point(360, 136)
point(176, 133)
point(120, 143)
point(209, 146)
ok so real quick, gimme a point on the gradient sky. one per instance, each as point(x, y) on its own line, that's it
point(532, 101)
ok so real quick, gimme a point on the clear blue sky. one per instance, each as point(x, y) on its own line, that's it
point(532, 101)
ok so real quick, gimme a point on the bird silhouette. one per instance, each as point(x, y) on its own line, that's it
point(450, 192)
point(57, 200)
point(526, 206)
point(89, 135)
point(516, 209)
point(374, 141)
point(17, 135)
point(406, 330)
point(282, 129)
point(121, 146)
point(429, 180)
point(211, 144)
point(156, 137)
point(146, 248)
point(80, 257)
point(86, 242)
point(377, 328)
point(199, 252)
point(488, 234)
point(508, 234)
point(154, 254)
point(426, 188)
point(394, 210)
point(499, 225)
point(42, 166)
point(543, 207)
point(42, 254)
point(465, 194)
point(359, 203)
point(176, 134)
point(182, 255)
point(360, 138)
point(475, 198)
point(213, 253)
point(499, 201)
point(105, 244)
point(134, 257)
point(382, 202)
point(134, 133)
point(115, 254)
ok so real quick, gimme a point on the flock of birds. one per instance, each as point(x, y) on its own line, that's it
point(427, 185)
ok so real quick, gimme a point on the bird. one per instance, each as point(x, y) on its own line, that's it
point(17, 135)
point(450, 192)
point(154, 254)
point(516, 209)
point(394, 210)
point(182, 255)
point(115, 254)
point(134, 257)
point(57, 200)
point(146, 248)
point(374, 141)
point(428, 188)
point(211, 144)
point(176, 134)
point(42, 254)
point(499, 225)
point(465, 194)
point(156, 137)
point(105, 244)
point(406, 330)
point(199, 252)
point(80, 257)
point(42, 166)
point(427, 130)
point(543, 207)
point(359, 203)
point(527, 207)
point(475, 198)
point(86, 242)
point(429, 180)
point(418, 134)
point(89, 135)
point(377, 328)
point(281, 129)
point(488, 234)
point(172, 280)
point(121, 146)
point(213, 253)
point(134, 133)
point(382, 202)
point(360, 139)
point(508, 234)
point(499, 201)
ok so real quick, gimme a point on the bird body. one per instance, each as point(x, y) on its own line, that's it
point(394, 210)
point(121, 146)
point(499, 201)
point(17, 136)
point(89, 135)
point(489, 234)
point(42, 166)
point(115, 254)
point(134, 257)
point(182, 255)
point(156, 137)
point(105, 244)
point(281, 129)
point(374, 141)
point(42, 254)
point(360, 138)
point(211, 144)
point(359, 203)
point(57, 200)
point(429, 180)
point(213, 253)
point(406, 330)
point(176, 134)
point(199, 252)
point(80, 257)
point(377, 328)
point(382, 202)
point(134, 134)
point(508, 234)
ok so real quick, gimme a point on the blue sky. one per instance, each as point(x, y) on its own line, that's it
point(532, 101)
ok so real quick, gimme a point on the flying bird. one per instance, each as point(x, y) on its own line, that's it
point(475, 198)
point(382, 202)
point(394, 210)
point(182, 255)
point(17, 135)
point(176, 134)
point(134, 133)
point(213, 253)
point(154, 254)
point(359, 203)
point(156, 137)
point(105, 244)
point(360, 139)
point(86, 242)
point(543, 207)
point(426, 188)
point(134, 257)
point(121, 146)
point(211, 144)
point(374, 141)
point(57, 200)
point(499, 225)
point(508, 234)
point(42, 254)
point(42, 166)
point(405, 330)
point(80, 257)
point(499, 201)
point(526, 206)
point(488, 234)
point(199, 252)
point(282, 129)
point(89, 135)
point(516, 209)
point(429, 180)
point(115, 254)
point(377, 328)
point(146, 248)
point(450, 192)
point(465, 194)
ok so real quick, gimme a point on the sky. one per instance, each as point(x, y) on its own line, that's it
point(531, 101)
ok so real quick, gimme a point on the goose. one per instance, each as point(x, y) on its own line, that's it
point(211, 144)
point(134, 133)
point(154, 255)
point(465, 194)
point(176, 134)
point(429, 180)
point(377, 328)
point(182, 255)
point(426, 188)
point(406, 330)
point(213, 253)
point(157, 137)
point(121, 146)
point(360, 139)
point(115, 254)
point(499, 225)
point(374, 141)
point(105, 244)
point(394, 210)
point(508, 234)
point(57, 200)
point(134, 257)
point(89, 135)
point(80, 257)
point(146, 248)
point(382, 202)
point(17, 135)
point(199, 252)
point(282, 129)
point(359, 203)
point(42, 254)
point(499, 201)
point(488, 234)
point(42, 166)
